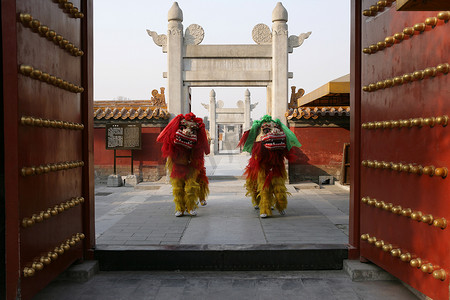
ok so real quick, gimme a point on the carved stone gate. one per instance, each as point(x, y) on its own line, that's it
point(218, 115)
point(193, 65)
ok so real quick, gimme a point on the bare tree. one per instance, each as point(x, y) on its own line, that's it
point(121, 98)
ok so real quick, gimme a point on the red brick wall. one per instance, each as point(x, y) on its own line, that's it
point(320, 154)
point(147, 164)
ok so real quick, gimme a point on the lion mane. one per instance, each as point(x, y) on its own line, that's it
point(186, 166)
point(266, 173)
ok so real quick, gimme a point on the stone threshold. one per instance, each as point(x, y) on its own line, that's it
point(221, 257)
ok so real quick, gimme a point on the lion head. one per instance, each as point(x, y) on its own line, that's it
point(272, 136)
point(184, 133)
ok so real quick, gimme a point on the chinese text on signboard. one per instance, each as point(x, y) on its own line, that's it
point(123, 136)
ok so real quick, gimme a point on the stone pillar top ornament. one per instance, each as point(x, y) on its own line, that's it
point(212, 93)
point(194, 35)
point(247, 93)
point(175, 13)
point(261, 34)
point(279, 13)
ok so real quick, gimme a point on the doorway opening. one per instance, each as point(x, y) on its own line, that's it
point(144, 216)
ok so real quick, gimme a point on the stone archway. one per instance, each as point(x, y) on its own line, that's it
point(218, 115)
point(193, 65)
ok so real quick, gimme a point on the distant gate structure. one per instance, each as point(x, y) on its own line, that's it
point(193, 65)
point(218, 115)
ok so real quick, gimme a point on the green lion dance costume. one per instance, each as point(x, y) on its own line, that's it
point(269, 142)
point(184, 144)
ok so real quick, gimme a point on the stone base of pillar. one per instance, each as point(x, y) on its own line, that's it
point(114, 180)
point(131, 180)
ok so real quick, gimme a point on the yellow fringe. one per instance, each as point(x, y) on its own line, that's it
point(266, 202)
point(192, 190)
point(169, 165)
point(252, 191)
point(273, 195)
point(178, 194)
point(187, 191)
point(280, 192)
point(203, 191)
point(265, 194)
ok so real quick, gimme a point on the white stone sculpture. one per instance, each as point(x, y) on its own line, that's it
point(296, 41)
point(261, 34)
point(158, 39)
point(194, 35)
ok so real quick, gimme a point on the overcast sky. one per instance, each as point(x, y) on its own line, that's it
point(127, 63)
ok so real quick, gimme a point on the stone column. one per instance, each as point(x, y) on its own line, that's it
point(279, 62)
point(175, 91)
point(269, 99)
point(247, 110)
point(212, 122)
point(224, 136)
point(186, 99)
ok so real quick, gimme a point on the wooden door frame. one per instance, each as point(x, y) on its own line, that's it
point(355, 128)
point(10, 127)
point(88, 133)
point(2, 187)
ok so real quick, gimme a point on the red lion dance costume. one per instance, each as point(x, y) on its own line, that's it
point(184, 145)
point(269, 143)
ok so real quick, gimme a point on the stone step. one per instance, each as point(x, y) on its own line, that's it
point(367, 271)
point(80, 272)
point(359, 271)
point(222, 257)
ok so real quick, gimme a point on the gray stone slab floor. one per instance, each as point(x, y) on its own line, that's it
point(127, 216)
point(144, 215)
point(321, 285)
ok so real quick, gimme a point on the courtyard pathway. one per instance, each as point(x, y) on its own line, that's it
point(142, 217)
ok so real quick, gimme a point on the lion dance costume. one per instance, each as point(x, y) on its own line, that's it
point(269, 142)
point(184, 144)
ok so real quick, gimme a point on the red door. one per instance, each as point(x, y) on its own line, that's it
point(47, 114)
point(405, 144)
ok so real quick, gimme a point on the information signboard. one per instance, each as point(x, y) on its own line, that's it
point(123, 136)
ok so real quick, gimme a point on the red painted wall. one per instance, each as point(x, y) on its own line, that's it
point(321, 145)
point(320, 154)
point(148, 156)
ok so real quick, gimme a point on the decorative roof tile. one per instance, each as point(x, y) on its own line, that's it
point(129, 110)
point(315, 112)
